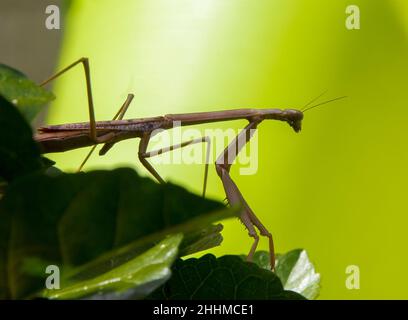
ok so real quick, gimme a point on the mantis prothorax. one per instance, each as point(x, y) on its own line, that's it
point(65, 137)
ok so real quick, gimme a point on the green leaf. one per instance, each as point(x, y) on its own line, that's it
point(261, 258)
point(226, 278)
point(191, 243)
point(26, 95)
point(100, 218)
point(298, 274)
point(133, 279)
point(19, 154)
point(208, 237)
point(295, 271)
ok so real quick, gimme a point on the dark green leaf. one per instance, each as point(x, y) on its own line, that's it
point(226, 278)
point(19, 154)
point(26, 95)
point(73, 219)
point(190, 244)
point(47, 163)
point(3, 185)
point(205, 238)
point(295, 271)
point(261, 258)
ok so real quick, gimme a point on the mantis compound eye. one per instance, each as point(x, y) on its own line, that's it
point(296, 125)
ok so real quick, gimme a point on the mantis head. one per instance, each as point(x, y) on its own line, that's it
point(294, 118)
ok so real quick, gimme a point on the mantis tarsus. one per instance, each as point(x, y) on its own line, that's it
point(77, 135)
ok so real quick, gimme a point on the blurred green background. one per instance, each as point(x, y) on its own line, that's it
point(337, 189)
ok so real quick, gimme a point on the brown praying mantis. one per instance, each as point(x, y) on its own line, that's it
point(58, 138)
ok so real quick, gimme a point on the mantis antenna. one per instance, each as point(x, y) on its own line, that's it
point(322, 103)
point(314, 99)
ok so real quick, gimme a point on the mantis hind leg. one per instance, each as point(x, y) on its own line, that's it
point(92, 122)
point(91, 110)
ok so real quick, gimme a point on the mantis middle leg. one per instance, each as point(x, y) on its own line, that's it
point(144, 154)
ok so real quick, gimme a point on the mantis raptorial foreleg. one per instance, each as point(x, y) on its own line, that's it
point(143, 155)
point(234, 196)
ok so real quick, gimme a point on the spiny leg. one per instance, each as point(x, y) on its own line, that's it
point(248, 217)
point(252, 233)
point(264, 232)
point(119, 115)
point(85, 63)
point(143, 154)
